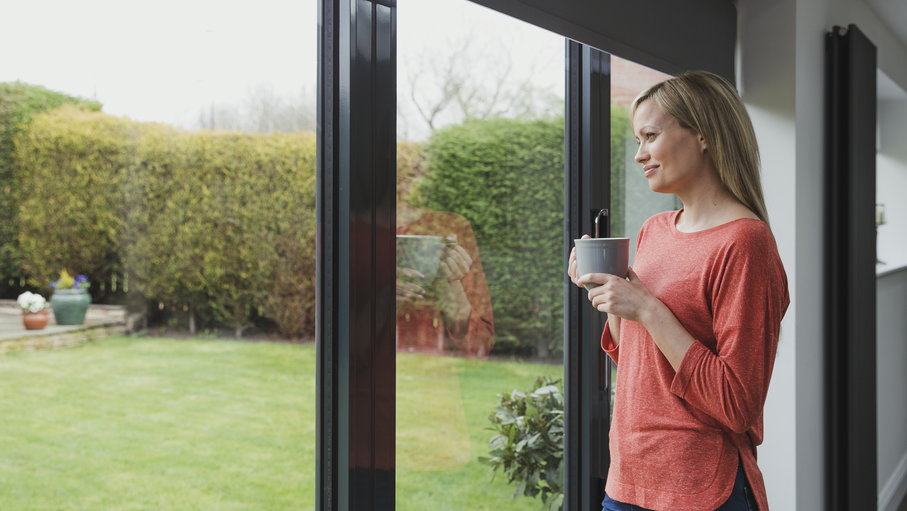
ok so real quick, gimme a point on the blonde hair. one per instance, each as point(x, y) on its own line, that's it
point(709, 105)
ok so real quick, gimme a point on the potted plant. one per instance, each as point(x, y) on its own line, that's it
point(70, 299)
point(34, 310)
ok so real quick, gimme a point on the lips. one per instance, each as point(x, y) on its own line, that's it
point(648, 170)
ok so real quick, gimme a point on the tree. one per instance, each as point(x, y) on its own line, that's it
point(474, 79)
point(264, 110)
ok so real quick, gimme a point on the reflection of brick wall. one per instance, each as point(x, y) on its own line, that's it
point(628, 79)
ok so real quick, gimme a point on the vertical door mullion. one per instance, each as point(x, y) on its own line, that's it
point(852, 476)
point(355, 302)
point(587, 190)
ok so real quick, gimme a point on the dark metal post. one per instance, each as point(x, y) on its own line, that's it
point(587, 190)
point(850, 265)
point(355, 296)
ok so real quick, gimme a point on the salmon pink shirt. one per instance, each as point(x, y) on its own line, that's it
point(677, 438)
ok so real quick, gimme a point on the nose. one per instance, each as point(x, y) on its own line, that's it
point(642, 154)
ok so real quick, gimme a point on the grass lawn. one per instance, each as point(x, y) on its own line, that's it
point(148, 424)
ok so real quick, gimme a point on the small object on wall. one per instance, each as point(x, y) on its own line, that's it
point(880, 220)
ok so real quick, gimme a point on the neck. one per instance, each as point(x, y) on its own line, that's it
point(708, 205)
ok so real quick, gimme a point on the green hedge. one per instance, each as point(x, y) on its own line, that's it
point(222, 223)
point(218, 223)
point(237, 213)
point(72, 164)
point(19, 102)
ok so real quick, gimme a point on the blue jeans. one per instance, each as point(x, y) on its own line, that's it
point(741, 499)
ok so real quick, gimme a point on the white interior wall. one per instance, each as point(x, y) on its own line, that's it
point(812, 26)
point(767, 80)
point(892, 305)
point(891, 183)
point(892, 388)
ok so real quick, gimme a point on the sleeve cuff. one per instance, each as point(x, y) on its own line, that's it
point(608, 345)
point(688, 364)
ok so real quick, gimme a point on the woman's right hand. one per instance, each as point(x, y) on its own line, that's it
point(571, 265)
point(408, 290)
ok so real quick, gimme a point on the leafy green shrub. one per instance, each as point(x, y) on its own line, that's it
point(529, 444)
point(506, 177)
point(19, 102)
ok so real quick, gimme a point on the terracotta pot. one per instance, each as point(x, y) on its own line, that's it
point(35, 320)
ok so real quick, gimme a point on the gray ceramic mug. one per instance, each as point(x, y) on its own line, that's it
point(602, 255)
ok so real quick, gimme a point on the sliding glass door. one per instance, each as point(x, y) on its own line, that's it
point(508, 140)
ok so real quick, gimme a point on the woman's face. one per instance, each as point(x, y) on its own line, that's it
point(673, 158)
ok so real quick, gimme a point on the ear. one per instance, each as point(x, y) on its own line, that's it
point(702, 145)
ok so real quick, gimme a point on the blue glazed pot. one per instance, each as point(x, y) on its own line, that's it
point(70, 306)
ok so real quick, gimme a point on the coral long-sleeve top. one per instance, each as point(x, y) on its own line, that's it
point(677, 438)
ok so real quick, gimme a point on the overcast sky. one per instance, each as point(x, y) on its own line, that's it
point(167, 60)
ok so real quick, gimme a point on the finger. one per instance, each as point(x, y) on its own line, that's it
point(409, 272)
point(411, 289)
point(631, 275)
point(445, 267)
point(453, 271)
point(594, 278)
point(462, 256)
point(467, 258)
point(601, 303)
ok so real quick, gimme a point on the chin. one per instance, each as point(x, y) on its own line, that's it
point(658, 187)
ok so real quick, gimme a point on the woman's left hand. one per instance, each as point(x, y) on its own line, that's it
point(626, 298)
point(455, 262)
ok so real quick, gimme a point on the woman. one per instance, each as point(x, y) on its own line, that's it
point(694, 328)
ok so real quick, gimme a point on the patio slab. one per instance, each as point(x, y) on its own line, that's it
point(100, 321)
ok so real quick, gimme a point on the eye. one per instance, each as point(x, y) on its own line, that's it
point(650, 135)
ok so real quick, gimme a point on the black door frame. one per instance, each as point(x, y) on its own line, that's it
point(355, 296)
point(587, 191)
point(850, 309)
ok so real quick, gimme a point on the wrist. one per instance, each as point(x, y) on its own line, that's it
point(652, 313)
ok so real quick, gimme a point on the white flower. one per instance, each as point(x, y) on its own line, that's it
point(31, 302)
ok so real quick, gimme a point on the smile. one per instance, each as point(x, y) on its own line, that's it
point(649, 170)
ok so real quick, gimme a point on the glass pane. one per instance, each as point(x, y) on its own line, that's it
point(166, 151)
point(479, 237)
point(632, 202)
